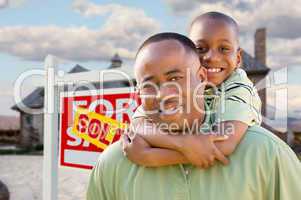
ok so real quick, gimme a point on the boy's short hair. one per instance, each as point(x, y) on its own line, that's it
point(183, 40)
point(217, 16)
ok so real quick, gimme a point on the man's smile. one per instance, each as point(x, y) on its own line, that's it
point(170, 106)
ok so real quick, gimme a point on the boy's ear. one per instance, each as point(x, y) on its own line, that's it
point(239, 57)
point(202, 73)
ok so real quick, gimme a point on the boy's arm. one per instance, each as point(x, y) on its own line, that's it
point(190, 146)
point(139, 151)
point(198, 149)
point(239, 109)
point(235, 130)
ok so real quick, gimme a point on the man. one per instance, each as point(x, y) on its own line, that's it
point(262, 167)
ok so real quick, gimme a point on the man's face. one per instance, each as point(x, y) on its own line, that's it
point(218, 47)
point(167, 76)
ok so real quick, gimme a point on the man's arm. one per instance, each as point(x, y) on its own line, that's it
point(235, 130)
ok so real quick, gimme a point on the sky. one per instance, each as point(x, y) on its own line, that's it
point(90, 32)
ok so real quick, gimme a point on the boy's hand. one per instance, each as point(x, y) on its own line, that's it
point(201, 151)
point(135, 149)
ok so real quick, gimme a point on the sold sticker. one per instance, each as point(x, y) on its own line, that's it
point(96, 128)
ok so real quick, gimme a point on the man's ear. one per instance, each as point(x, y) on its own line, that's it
point(239, 57)
point(202, 73)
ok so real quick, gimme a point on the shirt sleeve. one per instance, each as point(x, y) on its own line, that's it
point(239, 102)
point(96, 188)
point(139, 113)
point(285, 176)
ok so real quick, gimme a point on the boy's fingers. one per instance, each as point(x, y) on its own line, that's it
point(125, 143)
point(125, 139)
point(216, 138)
point(219, 156)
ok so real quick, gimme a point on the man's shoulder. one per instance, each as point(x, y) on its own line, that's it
point(258, 136)
point(262, 148)
point(112, 159)
point(112, 154)
point(104, 171)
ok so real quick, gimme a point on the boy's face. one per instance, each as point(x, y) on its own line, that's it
point(167, 75)
point(217, 44)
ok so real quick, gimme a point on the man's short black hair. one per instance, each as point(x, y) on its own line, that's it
point(183, 40)
point(217, 16)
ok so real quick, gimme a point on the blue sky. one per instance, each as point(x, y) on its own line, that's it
point(89, 32)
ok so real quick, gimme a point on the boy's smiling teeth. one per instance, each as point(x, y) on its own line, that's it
point(214, 70)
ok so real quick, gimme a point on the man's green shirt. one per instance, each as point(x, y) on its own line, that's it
point(262, 168)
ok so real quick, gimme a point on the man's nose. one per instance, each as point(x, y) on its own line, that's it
point(167, 91)
point(211, 56)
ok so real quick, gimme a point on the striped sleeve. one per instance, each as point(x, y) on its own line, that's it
point(239, 102)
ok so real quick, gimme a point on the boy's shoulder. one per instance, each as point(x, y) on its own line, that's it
point(238, 77)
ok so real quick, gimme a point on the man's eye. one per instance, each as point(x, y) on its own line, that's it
point(176, 78)
point(147, 87)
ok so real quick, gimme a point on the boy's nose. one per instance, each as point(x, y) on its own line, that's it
point(211, 56)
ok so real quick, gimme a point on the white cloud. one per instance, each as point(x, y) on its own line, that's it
point(11, 3)
point(284, 52)
point(281, 18)
point(3, 3)
point(181, 6)
point(125, 28)
point(251, 14)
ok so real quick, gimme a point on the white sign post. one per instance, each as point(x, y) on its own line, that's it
point(50, 164)
point(51, 114)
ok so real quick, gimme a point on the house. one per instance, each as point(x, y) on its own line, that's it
point(256, 67)
point(32, 125)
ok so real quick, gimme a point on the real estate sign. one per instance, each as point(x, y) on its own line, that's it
point(92, 120)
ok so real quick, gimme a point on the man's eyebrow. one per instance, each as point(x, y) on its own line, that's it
point(172, 71)
point(148, 78)
point(199, 41)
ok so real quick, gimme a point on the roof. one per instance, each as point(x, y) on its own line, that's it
point(34, 100)
point(116, 62)
point(253, 66)
point(116, 58)
point(77, 68)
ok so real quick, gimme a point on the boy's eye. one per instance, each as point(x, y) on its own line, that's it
point(225, 49)
point(201, 49)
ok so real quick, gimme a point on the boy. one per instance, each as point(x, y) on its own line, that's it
point(236, 104)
